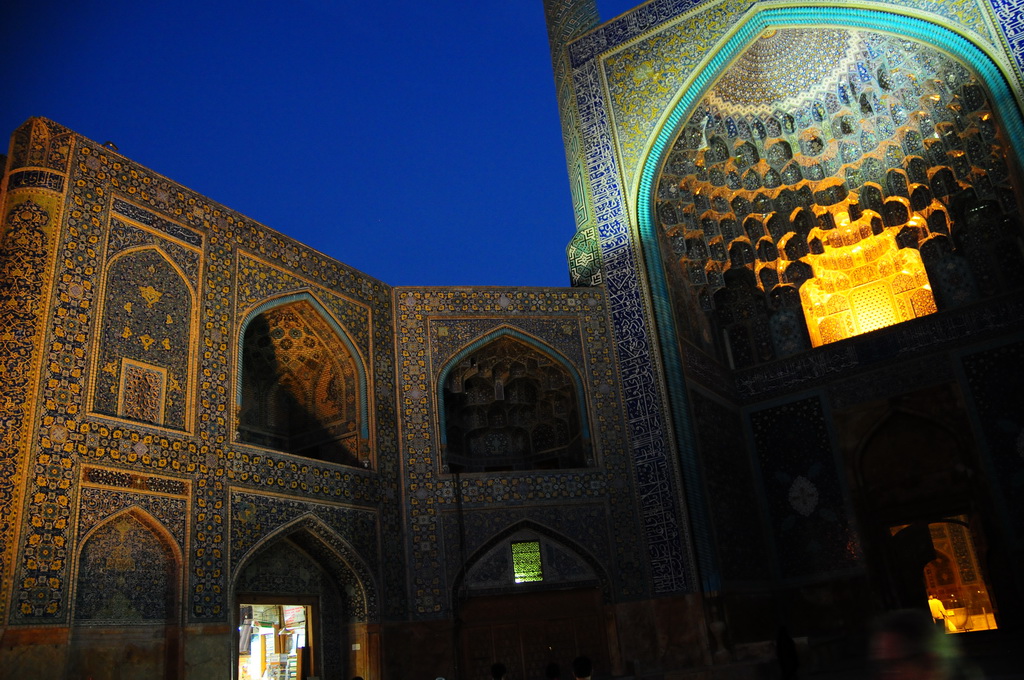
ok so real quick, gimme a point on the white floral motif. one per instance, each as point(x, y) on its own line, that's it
point(803, 496)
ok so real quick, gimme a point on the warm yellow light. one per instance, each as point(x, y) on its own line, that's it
point(863, 281)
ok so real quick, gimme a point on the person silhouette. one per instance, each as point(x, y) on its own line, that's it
point(582, 668)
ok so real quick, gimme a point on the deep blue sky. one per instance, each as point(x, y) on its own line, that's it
point(416, 141)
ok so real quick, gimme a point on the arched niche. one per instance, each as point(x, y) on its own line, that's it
point(918, 494)
point(563, 564)
point(145, 349)
point(509, 402)
point(892, 129)
point(305, 562)
point(532, 622)
point(302, 383)
point(127, 607)
point(128, 572)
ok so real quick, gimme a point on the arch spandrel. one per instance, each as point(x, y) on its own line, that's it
point(489, 566)
point(332, 554)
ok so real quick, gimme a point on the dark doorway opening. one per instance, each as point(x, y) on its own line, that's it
point(528, 631)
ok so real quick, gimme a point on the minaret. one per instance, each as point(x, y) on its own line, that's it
point(568, 20)
point(33, 194)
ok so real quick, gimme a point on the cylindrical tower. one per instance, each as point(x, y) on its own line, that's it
point(568, 20)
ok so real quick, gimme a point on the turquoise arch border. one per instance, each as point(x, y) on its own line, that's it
point(364, 420)
point(912, 27)
point(533, 342)
point(847, 17)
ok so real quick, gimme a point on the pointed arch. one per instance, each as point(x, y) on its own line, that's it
point(527, 339)
point(305, 562)
point(342, 334)
point(134, 549)
point(147, 321)
point(294, 358)
point(515, 398)
point(331, 552)
point(681, 317)
point(525, 529)
point(949, 40)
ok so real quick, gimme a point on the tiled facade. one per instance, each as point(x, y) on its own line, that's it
point(132, 508)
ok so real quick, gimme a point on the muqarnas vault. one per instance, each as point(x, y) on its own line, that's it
point(783, 388)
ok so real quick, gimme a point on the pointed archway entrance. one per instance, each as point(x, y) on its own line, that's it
point(924, 520)
point(302, 601)
point(529, 598)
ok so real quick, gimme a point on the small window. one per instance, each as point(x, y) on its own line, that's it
point(526, 562)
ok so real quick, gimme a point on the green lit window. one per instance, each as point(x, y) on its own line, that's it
point(526, 562)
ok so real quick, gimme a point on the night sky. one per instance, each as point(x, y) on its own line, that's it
point(416, 141)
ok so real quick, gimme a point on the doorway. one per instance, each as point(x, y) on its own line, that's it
point(922, 501)
point(528, 631)
point(275, 640)
point(958, 595)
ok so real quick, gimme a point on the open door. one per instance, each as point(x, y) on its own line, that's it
point(275, 640)
point(919, 497)
point(958, 592)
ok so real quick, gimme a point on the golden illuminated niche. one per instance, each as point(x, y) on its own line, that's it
point(300, 387)
point(833, 182)
point(863, 280)
point(958, 595)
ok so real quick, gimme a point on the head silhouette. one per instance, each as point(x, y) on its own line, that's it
point(582, 668)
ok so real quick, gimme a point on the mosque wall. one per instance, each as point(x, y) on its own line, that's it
point(434, 327)
point(199, 407)
point(127, 301)
point(635, 80)
point(461, 521)
point(196, 406)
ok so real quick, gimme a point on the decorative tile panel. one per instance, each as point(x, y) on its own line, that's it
point(433, 325)
point(662, 511)
point(26, 240)
point(809, 518)
point(995, 377)
point(145, 356)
